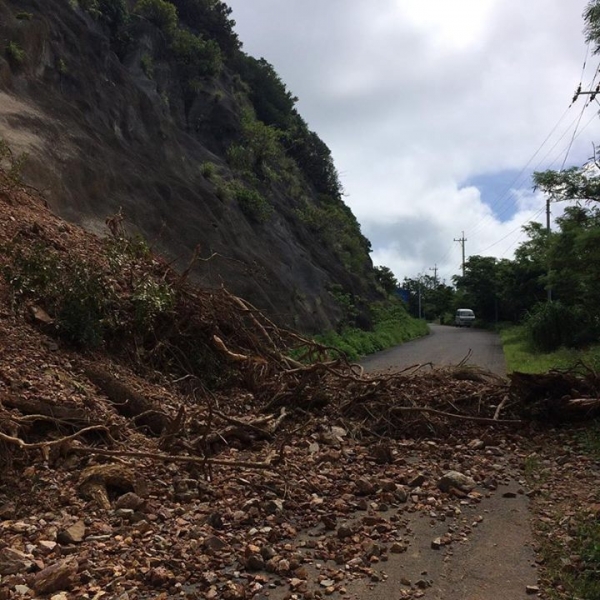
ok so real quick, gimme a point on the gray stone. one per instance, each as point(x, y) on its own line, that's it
point(454, 479)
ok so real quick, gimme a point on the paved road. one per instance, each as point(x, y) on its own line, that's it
point(445, 345)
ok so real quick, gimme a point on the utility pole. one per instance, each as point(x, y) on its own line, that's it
point(462, 241)
point(548, 243)
point(435, 270)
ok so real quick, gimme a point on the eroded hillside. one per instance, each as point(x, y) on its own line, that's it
point(120, 105)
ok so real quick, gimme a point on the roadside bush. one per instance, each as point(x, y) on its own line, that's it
point(392, 325)
point(552, 324)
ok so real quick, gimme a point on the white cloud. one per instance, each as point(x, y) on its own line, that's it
point(417, 97)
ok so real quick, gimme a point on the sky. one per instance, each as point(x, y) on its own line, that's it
point(436, 112)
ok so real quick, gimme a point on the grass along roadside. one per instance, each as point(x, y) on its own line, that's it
point(392, 325)
point(520, 356)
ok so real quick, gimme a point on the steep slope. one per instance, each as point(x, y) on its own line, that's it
point(117, 109)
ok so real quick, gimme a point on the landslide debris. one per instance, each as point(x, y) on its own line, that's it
point(158, 440)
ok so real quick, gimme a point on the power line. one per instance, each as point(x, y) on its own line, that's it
point(499, 212)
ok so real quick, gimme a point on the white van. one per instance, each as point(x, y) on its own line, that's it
point(465, 317)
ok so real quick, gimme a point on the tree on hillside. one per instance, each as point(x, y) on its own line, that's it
point(386, 279)
point(212, 19)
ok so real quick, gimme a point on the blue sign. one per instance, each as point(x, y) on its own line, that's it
point(404, 294)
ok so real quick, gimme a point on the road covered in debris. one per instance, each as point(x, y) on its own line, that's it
point(195, 458)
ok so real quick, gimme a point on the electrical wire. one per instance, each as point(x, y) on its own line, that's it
point(502, 203)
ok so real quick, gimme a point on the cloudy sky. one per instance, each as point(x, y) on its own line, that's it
point(436, 112)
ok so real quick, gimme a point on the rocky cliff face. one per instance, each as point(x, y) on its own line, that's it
point(107, 131)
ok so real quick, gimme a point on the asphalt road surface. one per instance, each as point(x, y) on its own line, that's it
point(444, 346)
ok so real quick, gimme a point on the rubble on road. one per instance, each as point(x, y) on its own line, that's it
point(205, 462)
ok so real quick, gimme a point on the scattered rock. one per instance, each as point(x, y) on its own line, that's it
point(14, 561)
point(417, 481)
point(364, 487)
point(215, 543)
point(130, 500)
point(454, 479)
point(72, 535)
point(56, 577)
point(344, 531)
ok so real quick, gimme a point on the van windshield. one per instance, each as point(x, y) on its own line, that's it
point(466, 313)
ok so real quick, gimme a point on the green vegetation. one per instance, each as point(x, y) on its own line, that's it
point(211, 18)
point(208, 170)
point(337, 227)
point(195, 56)
point(24, 16)
point(14, 54)
point(259, 151)
point(522, 356)
point(160, 13)
point(255, 206)
point(61, 67)
point(83, 302)
point(147, 65)
point(270, 148)
point(392, 325)
point(73, 293)
point(114, 15)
